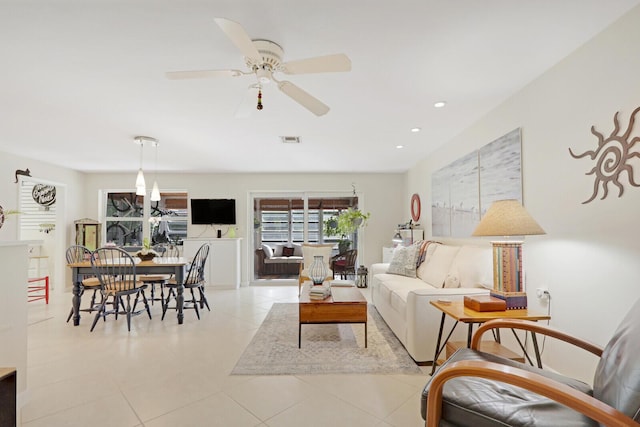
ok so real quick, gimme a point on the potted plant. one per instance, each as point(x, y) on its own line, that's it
point(146, 253)
point(4, 213)
point(344, 225)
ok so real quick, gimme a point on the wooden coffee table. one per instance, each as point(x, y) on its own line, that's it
point(345, 305)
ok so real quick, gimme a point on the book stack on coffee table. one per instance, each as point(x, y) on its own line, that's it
point(319, 292)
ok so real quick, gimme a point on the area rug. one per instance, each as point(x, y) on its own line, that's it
point(326, 349)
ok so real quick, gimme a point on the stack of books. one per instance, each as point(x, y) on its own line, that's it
point(319, 292)
point(343, 283)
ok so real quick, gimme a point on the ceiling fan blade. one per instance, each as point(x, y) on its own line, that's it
point(303, 98)
point(178, 75)
point(319, 64)
point(248, 104)
point(240, 38)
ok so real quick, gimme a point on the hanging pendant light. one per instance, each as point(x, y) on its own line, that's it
point(155, 192)
point(141, 187)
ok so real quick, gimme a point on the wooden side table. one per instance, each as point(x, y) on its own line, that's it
point(460, 313)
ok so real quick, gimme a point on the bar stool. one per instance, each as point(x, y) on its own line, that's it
point(34, 292)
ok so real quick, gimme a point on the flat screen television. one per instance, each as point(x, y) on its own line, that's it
point(213, 211)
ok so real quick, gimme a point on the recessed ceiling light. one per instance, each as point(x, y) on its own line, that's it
point(399, 146)
point(440, 104)
point(290, 139)
point(414, 130)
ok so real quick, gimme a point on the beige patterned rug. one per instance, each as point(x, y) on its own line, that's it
point(326, 349)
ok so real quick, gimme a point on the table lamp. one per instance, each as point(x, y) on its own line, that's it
point(508, 218)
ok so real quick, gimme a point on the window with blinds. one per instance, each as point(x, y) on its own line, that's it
point(282, 220)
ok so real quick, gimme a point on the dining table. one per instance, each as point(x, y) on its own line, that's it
point(158, 265)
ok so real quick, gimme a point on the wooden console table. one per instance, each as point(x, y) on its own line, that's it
point(460, 313)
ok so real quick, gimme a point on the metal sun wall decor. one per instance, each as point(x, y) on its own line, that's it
point(612, 157)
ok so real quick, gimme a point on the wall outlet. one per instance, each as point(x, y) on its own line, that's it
point(542, 293)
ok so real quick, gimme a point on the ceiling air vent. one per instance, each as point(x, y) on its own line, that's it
point(290, 139)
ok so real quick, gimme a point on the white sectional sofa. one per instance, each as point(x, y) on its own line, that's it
point(446, 272)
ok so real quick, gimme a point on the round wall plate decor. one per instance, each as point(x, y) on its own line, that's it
point(415, 207)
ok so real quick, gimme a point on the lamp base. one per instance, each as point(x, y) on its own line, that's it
point(514, 300)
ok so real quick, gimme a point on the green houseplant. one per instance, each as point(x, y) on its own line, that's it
point(344, 225)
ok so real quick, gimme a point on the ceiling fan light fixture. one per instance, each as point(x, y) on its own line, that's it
point(263, 74)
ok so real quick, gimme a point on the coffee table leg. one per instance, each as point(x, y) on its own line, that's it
point(299, 333)
point(365, 334)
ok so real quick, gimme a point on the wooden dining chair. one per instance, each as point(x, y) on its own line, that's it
point(194, 281)
point(116, 270)
point(309, 251)
point(160, 280)
point(76, 254)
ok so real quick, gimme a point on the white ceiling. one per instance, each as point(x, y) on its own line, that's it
point(79, 79)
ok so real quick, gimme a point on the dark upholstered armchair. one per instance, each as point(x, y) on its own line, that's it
point(344, 264)
point(477, 389)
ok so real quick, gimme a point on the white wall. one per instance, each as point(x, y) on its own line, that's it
point(589, 257)
point(73, 180)
point(70, 185)
point(380, 194)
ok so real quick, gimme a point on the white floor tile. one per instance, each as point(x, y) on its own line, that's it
point(165, 374)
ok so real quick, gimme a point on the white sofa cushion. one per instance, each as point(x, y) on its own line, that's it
point(394, 289)
point(431, 248)
point(472, 267)
point(434, 270)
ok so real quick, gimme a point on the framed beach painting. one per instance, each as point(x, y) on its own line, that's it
point(463, 190)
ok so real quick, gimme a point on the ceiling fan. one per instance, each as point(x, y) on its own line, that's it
point(264, 59)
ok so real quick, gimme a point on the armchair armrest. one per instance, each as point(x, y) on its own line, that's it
point(561, 393)
point(534, 327)
point(260, 254)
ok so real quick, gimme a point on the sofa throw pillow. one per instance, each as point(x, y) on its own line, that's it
point(277, 251)
point(403, 261)
point(268, 252)
point(297, 249)
point(286, 251)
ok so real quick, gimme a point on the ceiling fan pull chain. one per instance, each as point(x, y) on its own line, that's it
point(259, 106)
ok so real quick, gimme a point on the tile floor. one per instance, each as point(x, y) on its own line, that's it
point(165, 374)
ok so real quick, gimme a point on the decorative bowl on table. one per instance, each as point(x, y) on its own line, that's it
point(146, 255)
